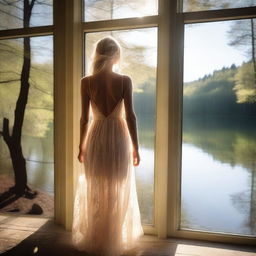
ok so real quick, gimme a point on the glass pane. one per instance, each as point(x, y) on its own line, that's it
point(139, 62)
point(203, 5)
point(219, 120)
point(36, 174)
point(116, 9)
point(12, 13)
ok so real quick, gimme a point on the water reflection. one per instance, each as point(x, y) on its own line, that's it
point(218, 174)
point(145, 184)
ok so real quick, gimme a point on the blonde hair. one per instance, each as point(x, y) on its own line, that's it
point(106, 49)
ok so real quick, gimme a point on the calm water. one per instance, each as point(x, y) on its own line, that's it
point(218, 167)
point(218, 175)
point(38, 153)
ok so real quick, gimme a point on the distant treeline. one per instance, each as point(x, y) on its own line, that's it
point(229, 91)
point(145, 98)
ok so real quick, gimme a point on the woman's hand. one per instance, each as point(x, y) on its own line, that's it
point(81, 156)
point(136, 157)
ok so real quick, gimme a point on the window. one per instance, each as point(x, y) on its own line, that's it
point(219, 106)
point(26, 111)
point(211, 177)
point(139, 53)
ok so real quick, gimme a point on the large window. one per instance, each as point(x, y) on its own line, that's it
point(219, 107)
point(139, 56)
point(26, 111)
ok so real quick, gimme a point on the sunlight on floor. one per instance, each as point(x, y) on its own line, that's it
point(196, 250)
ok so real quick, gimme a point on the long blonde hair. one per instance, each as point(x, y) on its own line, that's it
point(106, 49)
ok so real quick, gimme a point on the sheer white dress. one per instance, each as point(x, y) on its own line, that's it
point(106, 216)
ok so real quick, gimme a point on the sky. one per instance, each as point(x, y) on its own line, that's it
point(206, 49)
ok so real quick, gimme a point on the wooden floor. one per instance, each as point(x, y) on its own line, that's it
point(25, 236)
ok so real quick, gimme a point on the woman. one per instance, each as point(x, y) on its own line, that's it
point(106, 217)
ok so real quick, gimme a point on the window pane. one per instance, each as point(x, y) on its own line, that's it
point(139, 62)
point(203, 5)
point(12, 14)
point(37, 129)
point(117, 9)
point(219, 120)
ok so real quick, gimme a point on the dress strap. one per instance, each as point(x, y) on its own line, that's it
point(90, 94)
point(122, 86)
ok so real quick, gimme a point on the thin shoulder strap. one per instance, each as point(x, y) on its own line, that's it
point(90, 94)
point(123, 85)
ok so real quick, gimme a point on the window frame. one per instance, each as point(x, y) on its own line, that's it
point(180, 19)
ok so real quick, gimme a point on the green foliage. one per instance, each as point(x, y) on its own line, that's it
point(39, 109)
point(221, 92)
point(245, 87)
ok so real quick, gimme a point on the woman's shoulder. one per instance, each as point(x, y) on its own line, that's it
point(126, 79)
point(86, 77)
point(127, 82)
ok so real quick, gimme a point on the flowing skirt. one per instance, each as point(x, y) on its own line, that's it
point(106, 216)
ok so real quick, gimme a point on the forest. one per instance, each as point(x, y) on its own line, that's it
point(229, 91)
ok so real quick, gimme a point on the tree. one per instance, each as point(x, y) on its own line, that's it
point(10, 78)
point(242, 35)
point(245, 84)
point(13, 140)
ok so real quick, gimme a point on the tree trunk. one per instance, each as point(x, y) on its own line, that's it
point(14, 141)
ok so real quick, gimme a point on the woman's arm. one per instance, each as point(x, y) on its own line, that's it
point(131, 118)
point(84, 120)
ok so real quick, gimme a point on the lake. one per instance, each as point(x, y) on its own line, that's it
point(218, 174)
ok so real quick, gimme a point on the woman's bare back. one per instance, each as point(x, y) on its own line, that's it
point(106, 90)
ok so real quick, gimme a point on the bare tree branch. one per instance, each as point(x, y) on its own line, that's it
point(42, 108)
point(40, 89)
point(12, 15)
point(9, 81)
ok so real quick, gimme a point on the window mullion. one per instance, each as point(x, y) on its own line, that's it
point(118, 24)
point(26, 32)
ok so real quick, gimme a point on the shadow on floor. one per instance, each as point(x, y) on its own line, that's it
point(48, 240)
point(26, 236)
